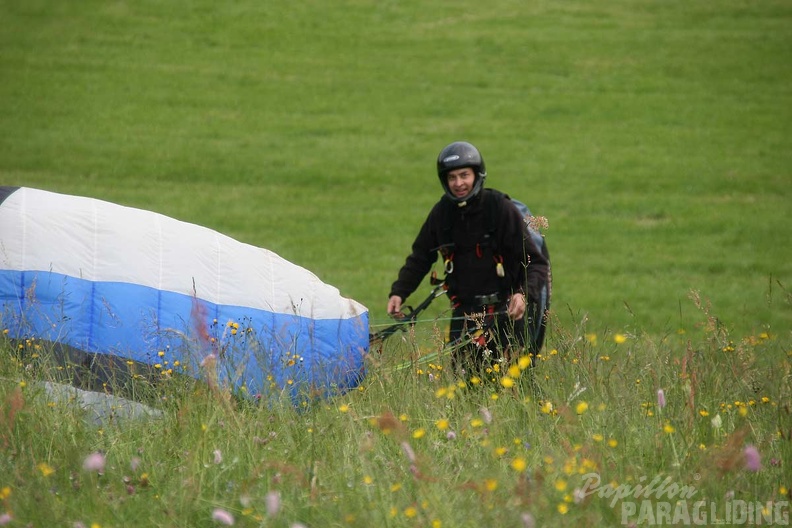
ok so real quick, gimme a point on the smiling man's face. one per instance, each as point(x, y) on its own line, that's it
point(460, 181)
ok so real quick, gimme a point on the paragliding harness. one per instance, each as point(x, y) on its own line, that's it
point(488, 305)
point(536, 311)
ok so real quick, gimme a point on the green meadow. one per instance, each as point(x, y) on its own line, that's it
point(654, 137)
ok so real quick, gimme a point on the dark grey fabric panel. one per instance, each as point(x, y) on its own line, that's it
point(5, 192)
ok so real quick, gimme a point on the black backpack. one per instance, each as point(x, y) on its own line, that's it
point(537, 314)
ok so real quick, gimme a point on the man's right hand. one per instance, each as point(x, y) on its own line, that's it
point(394, 305)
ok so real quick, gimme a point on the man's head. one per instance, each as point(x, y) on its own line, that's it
point(462, 172)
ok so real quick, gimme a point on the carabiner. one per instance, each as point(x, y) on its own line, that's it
point(448, 263)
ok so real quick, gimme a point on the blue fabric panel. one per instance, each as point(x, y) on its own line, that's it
point(136, 322)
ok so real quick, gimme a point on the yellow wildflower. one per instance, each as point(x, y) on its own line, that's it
point(45, 469)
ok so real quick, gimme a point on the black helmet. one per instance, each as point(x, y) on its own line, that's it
point(458, 155)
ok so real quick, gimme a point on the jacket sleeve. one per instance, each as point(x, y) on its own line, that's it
point(531, 272)
point(419, 262)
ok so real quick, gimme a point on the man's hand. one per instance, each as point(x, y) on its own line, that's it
point(394, 305)
point(516, 308)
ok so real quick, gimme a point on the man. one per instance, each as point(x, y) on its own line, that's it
point(495, 274)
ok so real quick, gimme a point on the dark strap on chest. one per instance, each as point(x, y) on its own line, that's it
point(491, 203)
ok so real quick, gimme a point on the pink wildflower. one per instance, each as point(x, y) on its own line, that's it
point(272, 503)
point(218, 456)
point(528, 520)
point(208, 360)
point(94, 462)
point(661, 401)
point(753, 461)
point(578, 495)
point(5, 519)
point(408, 452)
point(223, 517)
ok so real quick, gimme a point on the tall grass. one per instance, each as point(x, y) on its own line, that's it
point(416, 446)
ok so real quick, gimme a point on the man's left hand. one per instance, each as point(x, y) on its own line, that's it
point(516, 308)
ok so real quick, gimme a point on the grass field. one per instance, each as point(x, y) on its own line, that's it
point(655, 137)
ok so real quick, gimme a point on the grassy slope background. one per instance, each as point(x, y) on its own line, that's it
point(654, 136)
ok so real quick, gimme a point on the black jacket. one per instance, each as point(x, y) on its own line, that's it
point(469, 229)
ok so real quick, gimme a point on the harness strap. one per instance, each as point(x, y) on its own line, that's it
point(447, 244)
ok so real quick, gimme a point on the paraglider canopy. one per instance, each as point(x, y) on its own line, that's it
point(116, 281)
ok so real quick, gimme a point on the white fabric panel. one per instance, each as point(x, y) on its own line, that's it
point(101, 241)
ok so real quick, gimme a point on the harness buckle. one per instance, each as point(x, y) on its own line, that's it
point(483, 300)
